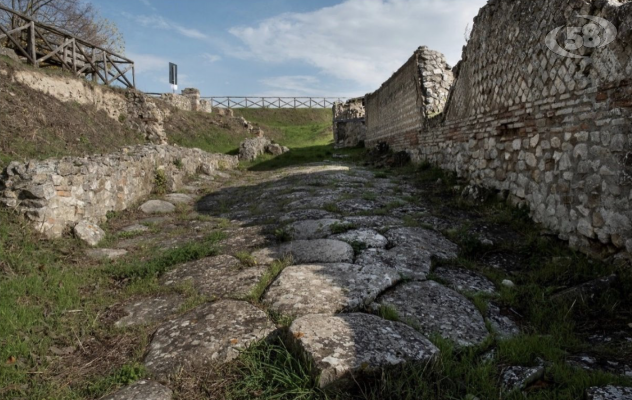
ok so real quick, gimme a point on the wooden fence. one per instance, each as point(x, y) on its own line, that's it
point(272, 102)
point(44, 45)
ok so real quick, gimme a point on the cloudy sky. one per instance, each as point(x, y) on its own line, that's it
point(334, 48)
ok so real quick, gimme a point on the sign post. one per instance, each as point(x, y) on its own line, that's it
point(173, 76)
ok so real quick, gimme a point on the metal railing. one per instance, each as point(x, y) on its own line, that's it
point(272, 102)
point(44, 45)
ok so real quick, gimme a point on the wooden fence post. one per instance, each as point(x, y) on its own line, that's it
point(31, 44)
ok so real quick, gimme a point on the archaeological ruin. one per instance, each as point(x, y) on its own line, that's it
point(552, 132)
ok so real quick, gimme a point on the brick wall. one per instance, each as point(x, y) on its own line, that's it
point(553, 132)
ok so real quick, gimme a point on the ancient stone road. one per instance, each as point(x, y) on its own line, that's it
point(353, 253)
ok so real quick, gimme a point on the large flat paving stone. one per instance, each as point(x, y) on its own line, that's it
point(367, 237)
point(217, 277)
point(436, 309)
point(142, 390)
point(299, 215)
point(609, 393)
point(318, 251)
point(327, 288)
point(423, 239)
point(211, 333)
point(344, 346)
point(465, 281)
point(407, 261)
point(312, 229)
point(146, 311)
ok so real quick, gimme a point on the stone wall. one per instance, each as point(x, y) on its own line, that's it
point(398, 110)
point(349, 123)
point(189, 100)
point(56, 194)
point(554, 133)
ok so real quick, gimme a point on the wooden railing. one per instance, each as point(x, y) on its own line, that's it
point(272, 102)
point(44, 45)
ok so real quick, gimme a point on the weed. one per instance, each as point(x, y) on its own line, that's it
point(388, 312)
point(358, 247)
point(331, 207)
point(273, 271)
point(122, 118)
point(137, 269)
point(246, 259)
point(381, 175)
point(282, 235)
point(160, 182)
point(178, 163)
point(338, 227)
point(370, 196)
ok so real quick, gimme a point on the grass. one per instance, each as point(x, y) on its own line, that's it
point(270, 275)
point(246, 259)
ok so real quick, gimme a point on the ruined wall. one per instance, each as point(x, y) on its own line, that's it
point(349, 123)
point(55, 194)
point(397, 111)
point(189, 100)
point(553, 132)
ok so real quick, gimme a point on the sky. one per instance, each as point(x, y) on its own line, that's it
point(320, 48)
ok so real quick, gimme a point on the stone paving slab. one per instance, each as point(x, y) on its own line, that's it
point(518, 377)
point(179, 198)
point(343, 346)
point(216, 277)
point(327, 288)
point(465, 281)
point(406, 261)
point(105, 254)
point(312, 229)
point(423, 239)
point(318, 251)
point(300, 215)
point(142, 390)
point(502, 325)
point(609, 393)
point(209, 334)
point(146, 311)
point(436, 309)
point(367, 237)
point(374, 221)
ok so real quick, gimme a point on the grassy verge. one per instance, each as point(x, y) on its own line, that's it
point(57, 307)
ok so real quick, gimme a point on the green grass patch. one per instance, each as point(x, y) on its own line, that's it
point(273, 271)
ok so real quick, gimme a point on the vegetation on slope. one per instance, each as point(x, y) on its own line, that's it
point(34, 125)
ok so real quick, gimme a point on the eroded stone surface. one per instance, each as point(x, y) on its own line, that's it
point(502, 325)
point(312, 229)
point(142, 390)
point(211, 333)
point(516, 378)
point(106, 254)
point(216, 277)
point(145, 311)
point(346, 345)
point(89, 232)
point(179, 198)
point(157, 207)
point(318, 251)
point(609, 393)
point(135, 228)
point(408, 262)
point(423, 239)
point(464, 280)
point(437, 309)
point(366, 237)
point(305, 214)
point(327, 288)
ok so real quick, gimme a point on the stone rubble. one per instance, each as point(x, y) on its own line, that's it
point(89, 232)
point(609, 393)
point(157, 207)
point(518, 378)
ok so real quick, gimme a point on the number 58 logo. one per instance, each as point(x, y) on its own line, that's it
point(598, 33)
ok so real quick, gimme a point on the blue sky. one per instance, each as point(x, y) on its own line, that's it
point(334, 48)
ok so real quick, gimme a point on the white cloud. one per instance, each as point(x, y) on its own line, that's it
point(156, 21)
point(364, 41)
point(291, 85)
point(148, 62)
point(211, 58)
point(148, 4)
